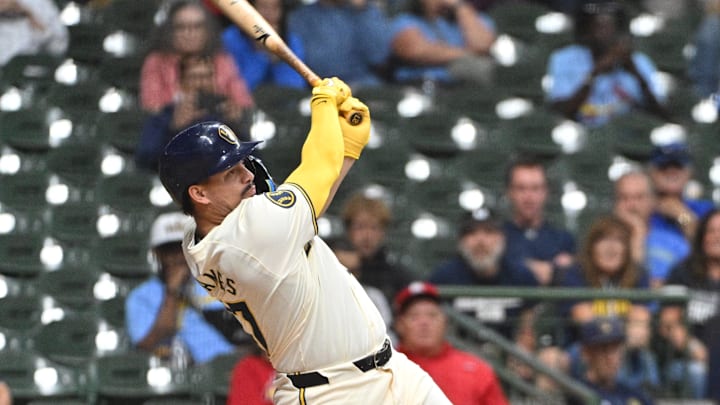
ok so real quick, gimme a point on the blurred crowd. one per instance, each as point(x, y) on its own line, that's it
point(198, 66)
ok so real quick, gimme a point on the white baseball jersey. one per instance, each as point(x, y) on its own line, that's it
point(284, 284)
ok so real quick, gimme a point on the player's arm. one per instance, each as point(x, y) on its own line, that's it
point(355, 137)
point(323, 152)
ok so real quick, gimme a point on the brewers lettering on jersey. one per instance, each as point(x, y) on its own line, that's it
point(255, 247)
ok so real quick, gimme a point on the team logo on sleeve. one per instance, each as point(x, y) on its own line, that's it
point(281, 198)
point(228, 135)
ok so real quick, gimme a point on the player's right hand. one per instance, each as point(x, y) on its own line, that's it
point(334, 89)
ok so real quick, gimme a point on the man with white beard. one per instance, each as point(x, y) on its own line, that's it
point(478, 262)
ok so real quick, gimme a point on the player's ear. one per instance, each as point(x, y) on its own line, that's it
point(197, 194)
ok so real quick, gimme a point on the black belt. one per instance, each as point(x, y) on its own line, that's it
point(313, 379)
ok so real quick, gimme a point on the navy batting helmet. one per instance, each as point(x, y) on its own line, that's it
point(199, 152)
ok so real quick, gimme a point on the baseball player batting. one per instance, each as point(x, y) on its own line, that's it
point(256, 249)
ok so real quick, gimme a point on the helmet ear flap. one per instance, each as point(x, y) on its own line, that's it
point(263, 180)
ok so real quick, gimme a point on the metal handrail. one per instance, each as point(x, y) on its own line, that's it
point(665, 294)
point(487, 334)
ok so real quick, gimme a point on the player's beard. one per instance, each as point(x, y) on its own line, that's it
point(488, 264)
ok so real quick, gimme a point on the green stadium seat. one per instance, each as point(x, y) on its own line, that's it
point(532, 134)
point(86, 42)
point(25, 191)
point(123, 256)
point(26, 130)
point(130, 15)
point(121, 129)
point(214, 377)
point(75, 341)
point(33, 377)
point(127, 192)
point(517, 18)
point(77, 100)
point(20, 313)
point(20, 254)
point(431, 134)
point(122, 72)
point(77, 163)
point(37, 71)
point(113, 311)
point(70, 286)
point(123, 379)
point(74, 223)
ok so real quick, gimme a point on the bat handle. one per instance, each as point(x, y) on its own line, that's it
point(352, 117)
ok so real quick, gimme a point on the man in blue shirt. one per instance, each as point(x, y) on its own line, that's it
point(348, 39)
point(534, 248)
point(168, 309)
point(600, 76)
point(670, 168)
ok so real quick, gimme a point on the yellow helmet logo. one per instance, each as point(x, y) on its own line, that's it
point(228, 135)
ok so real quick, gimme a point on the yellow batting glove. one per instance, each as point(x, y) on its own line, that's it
point(333, 88)
point(355, 136)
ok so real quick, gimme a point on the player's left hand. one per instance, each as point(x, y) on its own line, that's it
point(355, 136)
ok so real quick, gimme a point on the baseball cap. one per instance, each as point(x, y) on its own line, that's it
point(168, 227)
point(415, 290)
point(482, 217)
point(671, 153)
point(602, 331)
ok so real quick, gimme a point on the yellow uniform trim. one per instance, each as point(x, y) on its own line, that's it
point(312, 208)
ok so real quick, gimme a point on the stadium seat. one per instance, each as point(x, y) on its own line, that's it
point(382, 101)
point(25, 191)
point(123, 256)
point(20, 254)
point(517, 19)
point(74, 223)
point(130, 15)
point(121, 129)
point(431, 134)
point(26, 130)
point(214, 376)
point(77, 100)
point(86, 42)
point(122, 72)
point(20, 313)
point(76, 341)
point(532, 134)
point(127, 192)
point(130, 378)
point(70, 286)
point(77, 163)
point(33, 377)
point(113, 311)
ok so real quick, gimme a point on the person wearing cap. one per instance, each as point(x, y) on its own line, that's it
point(670, 168)
point(421, 325)
point(167, 309)
point(602, 343)
point(257, 250)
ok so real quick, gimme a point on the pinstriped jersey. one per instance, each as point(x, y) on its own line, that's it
point(284, 284)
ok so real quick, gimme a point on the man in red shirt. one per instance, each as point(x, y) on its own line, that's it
point(421, 324)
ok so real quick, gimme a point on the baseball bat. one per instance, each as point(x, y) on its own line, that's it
point(248, 19)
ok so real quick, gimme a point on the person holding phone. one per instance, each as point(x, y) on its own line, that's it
point(601, 76)
point(196, 101)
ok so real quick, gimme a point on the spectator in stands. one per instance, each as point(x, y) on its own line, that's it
point(421, 325)
point(606, 262)
point(671, 169)
point(168, 309)
point(713, 329)
point(189, 29)
point(480, 246)
point(366, 220)
point(445, 41)
point(5, 394)
point(256, 64)
point(197, 101)
point(704, 69)
point(534, 248)
point(30, 27)
point(349, 256)
point(251, 380)
point(602, 349)
point(701, 273)
point(355, 38)
point(656, 248)
point(600, 76)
